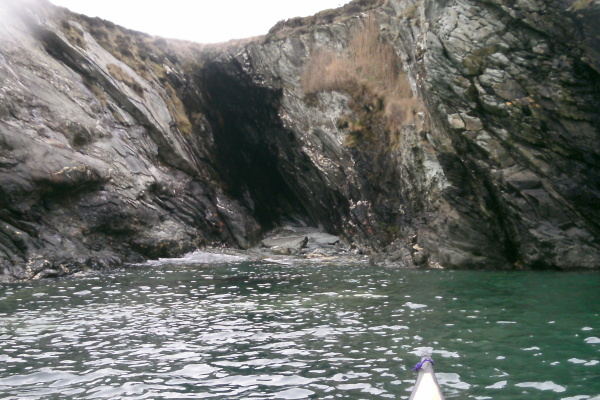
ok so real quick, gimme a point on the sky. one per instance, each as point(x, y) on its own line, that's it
point(204, 21)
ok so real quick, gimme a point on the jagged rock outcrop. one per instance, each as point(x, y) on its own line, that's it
point(98, 164)
point(515, 86)
point(117, 146)
point(505, 171)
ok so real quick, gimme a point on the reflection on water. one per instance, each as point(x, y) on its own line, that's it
point(246, 330)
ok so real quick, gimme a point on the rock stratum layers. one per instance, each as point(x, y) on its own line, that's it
point(455, 133)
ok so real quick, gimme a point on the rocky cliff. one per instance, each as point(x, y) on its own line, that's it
point(455, 133)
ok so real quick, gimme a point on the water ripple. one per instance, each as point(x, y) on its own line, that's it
point(247, 330)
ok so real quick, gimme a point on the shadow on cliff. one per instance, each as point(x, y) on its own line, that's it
point(247, 130)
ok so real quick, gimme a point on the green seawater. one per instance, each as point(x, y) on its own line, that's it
point(248, 330)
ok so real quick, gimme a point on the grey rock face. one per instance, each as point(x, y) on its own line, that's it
point(506, 173)
point(286, 244)
point(94, 170)
point(521, 93)
point(116, 146)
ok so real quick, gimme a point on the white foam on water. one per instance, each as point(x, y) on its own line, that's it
point(194, 370)
point(414, 306)
point(592, 340)
point(452, 380)
point(395, 327)
point(498, 385)
point(199, 257)
point(294, 393)
point(6, 358)
point(282, 261)
point(447, 354)
point(584, 362)
point(548, 385)
point(587, 328)
point(421, 351)
point(372, 296)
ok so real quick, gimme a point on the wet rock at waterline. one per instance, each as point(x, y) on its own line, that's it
point(304, 241)
point(286, 244)
point(467, 138)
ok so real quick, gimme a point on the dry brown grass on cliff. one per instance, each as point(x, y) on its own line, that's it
point(74, 35)
point(178, 111)
point(119, 74)
point(371, 63)
point(147, 56)
point(326, 72)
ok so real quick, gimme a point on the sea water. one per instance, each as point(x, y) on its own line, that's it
point(215, 327)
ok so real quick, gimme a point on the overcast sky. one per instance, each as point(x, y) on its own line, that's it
point(206, 21)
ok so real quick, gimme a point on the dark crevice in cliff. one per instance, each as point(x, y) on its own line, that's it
point(247, 127)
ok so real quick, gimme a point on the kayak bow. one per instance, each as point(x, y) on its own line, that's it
point(427, 386)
